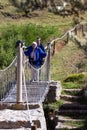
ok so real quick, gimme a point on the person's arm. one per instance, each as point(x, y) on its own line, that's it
point(42, 53)
point(28, 51)
point(42, 47)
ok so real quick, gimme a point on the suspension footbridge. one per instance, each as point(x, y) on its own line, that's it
point(22, 98)
point(17, 89)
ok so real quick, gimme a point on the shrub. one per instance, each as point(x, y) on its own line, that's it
point(75, 78)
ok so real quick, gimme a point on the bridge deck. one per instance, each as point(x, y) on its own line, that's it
point(34, 92)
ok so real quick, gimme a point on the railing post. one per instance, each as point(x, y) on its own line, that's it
point(75, 30)
point(48, 62)
point(38, 76)
point(19, 71)
point(67, 38)
point(54, 44)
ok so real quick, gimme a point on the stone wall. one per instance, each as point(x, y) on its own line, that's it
point(54, 91)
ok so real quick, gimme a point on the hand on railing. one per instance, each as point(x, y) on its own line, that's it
point(48, 45)
point(20, 42)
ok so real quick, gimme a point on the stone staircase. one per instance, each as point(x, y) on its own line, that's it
point(72, 114)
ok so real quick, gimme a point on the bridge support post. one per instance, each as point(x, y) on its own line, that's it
point(54, 46)
point(19, 71)
point(38, 76)
point(75, 30)
point(48, 63)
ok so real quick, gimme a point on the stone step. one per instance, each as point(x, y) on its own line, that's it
point(72, 106)
point(61, 126)
point(18, 124)
point(68, 90)
point(72, 112)
point(72, 109)
point(72, 91)
point(69, 97)
point(68, 119)
point(67, 123)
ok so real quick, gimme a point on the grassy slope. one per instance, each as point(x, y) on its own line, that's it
point(66, 60)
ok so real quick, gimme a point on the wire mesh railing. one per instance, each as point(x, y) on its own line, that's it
point(7, 79)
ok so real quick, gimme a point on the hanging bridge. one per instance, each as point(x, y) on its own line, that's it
point(16, 84)
point(15, 81)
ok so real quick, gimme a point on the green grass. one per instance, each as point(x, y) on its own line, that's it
point(73, 93)
point(54, 105)
point(71, 85)
point(77, 124)
point(75, 81)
